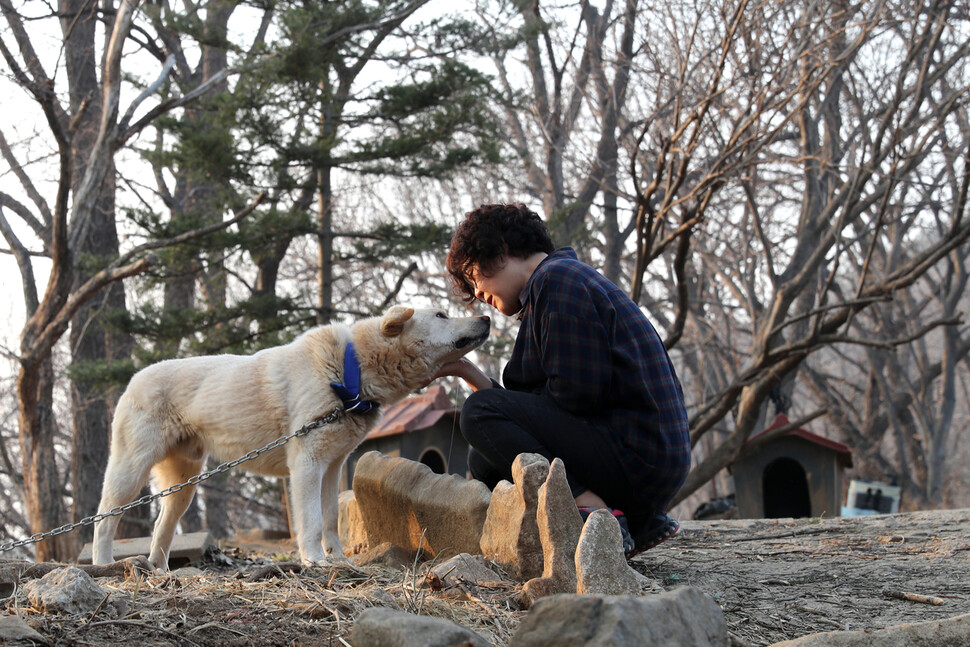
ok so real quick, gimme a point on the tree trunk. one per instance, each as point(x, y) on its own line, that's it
point(43, 501)
point(90, 343)
point(325, 249)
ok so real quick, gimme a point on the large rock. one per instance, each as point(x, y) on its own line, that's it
point(389, 555)
point(510, 536)
point(70, 590)
point(350, 525)
point(559, 528)
point(8, 581)
point(465, 569)
point(401, 500)
point(14, 630)
point(685, 617)
point(934, 633)
point(601, 566)
point(382, 627)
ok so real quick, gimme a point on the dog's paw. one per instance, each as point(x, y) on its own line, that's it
point(327, 561)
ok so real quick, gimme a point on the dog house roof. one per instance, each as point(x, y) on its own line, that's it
point(415, 412)
point(781, 420)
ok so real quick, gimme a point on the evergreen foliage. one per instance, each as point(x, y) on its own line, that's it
point(375, 101)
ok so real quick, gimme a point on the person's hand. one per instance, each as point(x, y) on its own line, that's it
point(467, 371)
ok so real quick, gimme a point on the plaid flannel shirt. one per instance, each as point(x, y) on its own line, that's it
point(586, 345)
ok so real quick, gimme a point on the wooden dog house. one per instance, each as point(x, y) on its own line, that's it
point(794, 474)
point(422, 428)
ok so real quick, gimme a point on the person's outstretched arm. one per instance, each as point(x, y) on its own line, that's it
point(463, 368)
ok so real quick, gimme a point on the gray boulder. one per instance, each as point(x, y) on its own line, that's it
point(685, 617)
point(601, 567)
point(70, 590)
point(13, 629)
point(464, 568)
point(382, 627)
point(9, 579)
point(950, 632)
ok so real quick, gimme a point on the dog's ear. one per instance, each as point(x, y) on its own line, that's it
point(393, 323)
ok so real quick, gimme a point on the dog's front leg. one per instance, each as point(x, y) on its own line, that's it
point(306, 477)
point(332, 547)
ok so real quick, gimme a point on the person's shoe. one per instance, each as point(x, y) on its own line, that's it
point(628, 544)
point(659, 529)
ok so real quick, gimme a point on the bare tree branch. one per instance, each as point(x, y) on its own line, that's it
point(132, 263)
point(27, 217)
point(20, 253)
point(38, 83)
point(30, 190)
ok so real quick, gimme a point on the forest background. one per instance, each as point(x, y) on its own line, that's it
point(782, 186)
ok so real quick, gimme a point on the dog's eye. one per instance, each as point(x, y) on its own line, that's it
point(441, 315)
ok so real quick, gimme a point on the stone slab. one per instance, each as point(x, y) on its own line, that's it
point(186, 549)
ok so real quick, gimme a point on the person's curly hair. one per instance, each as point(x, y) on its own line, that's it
point(489, 234)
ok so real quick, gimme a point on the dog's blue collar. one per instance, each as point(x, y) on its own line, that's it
point(349, 391)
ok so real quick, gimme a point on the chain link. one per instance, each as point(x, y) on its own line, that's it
point(195, 480)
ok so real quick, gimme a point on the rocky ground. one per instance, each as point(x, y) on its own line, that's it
point(780, 579)
point(774, 580)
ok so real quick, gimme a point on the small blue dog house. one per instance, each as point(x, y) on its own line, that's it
point(423, 428)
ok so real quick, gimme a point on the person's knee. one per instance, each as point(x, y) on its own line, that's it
point(478, 402)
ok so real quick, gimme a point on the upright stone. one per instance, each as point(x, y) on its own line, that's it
point(405, 503)
point(559, 528)
point(510, 536)
point(601, 567)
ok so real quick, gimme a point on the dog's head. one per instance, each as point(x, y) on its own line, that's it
point(402, 350)
point(436, 336)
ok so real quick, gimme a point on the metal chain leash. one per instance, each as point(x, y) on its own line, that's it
point(195, 480)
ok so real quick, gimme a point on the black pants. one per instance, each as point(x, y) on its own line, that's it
point(500, 424)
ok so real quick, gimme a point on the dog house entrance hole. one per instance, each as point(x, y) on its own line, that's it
point(785, 488)
point(435, 460)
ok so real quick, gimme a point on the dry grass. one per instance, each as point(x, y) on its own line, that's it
point(775, 580)
point(239, 598)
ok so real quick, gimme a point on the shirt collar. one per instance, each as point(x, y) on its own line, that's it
point(561, 253)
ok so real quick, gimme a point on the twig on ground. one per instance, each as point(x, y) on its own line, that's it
point(100, 604)
point(914, 597)
point(215, 624)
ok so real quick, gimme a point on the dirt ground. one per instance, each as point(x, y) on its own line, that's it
point(774, 579)
point(781, 579)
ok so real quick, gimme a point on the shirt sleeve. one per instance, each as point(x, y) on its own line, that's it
point(575, 350)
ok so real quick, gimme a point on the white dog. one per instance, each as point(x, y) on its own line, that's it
point(176, 413)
